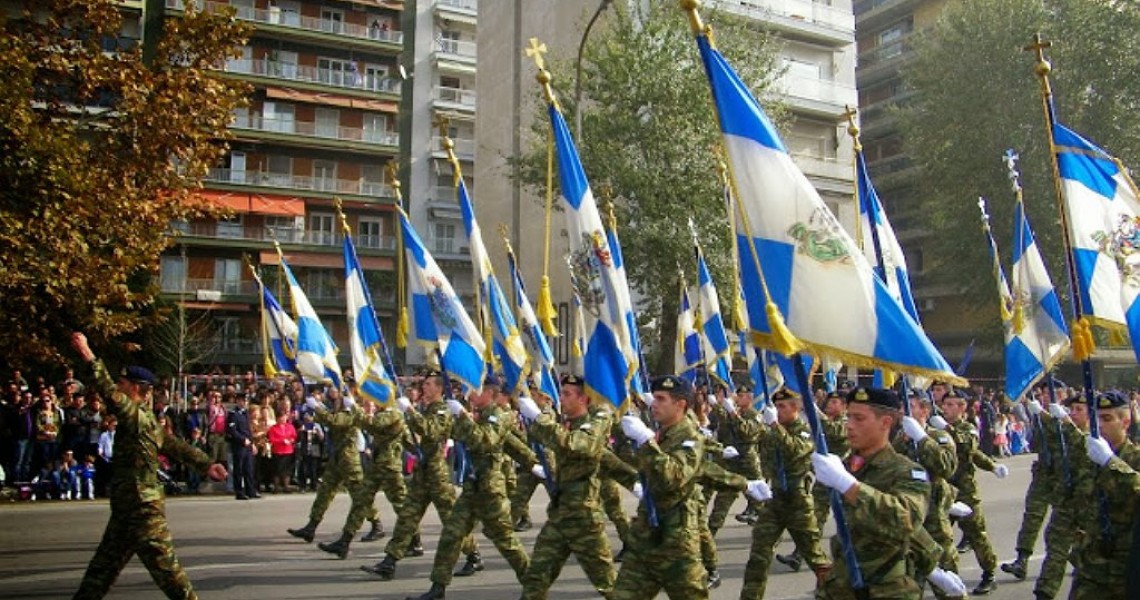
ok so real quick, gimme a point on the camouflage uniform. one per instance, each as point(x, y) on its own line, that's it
point(741, 431)
point(1039, 495)
point(892, 500)
point(138, 514)
point(386, 471)
point(483, 499)
point(835, 433)
point(1103, 563)
point(611, 487)
point(714, 478)
point(527, 482)
point(343, 469)
point(518, 453)
point(936, 454)
point(970, 458)
point(666, 557)
point(1072, 488)
point(790, 447)
point(574, 520)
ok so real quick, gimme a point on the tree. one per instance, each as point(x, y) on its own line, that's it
point(182, 341)
point(650, 134)
point(977, 95)
point(98, 152)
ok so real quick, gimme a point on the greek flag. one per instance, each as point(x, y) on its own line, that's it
point(639, 384)
point(878, 239)
point(506, 343)
point(1103, 213)
point(609, 360)
point(365, 339)
point(1006, 299)
point(794, 253)
point(718, 353)
point(316, 352)
point(438, 317)
point(280, 334)
point(687, 355)
point(542, 367)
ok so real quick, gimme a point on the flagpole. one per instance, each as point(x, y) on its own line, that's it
point(401, 290)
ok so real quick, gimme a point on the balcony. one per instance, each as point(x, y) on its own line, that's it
point(276, 70)
point(455, 56)
point(275, 18)
point(237, 231)
point(802, 18)
point(882, 63)
point(464, 7)
point(454, 98)
point(321, 131)
point(358, 187)
point(827, 167)
point(818, 96)
point(876, 13)
point(464, 149)
point(226, 287)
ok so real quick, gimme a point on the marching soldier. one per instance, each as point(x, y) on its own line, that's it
point(387, 470)
point(834, 423)
point(138, 514)
point(738, 429)
point(527, 481)
point(611, 481)
point(1041, 493)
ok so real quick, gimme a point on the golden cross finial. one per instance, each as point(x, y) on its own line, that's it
point(442, 123)
point(849, 113)
point(340, 212)
point(535, 50)
point(1038, 47)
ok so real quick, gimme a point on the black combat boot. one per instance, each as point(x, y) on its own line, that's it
point(306, 533)
point(713, 580)
point(375, 533)
point(986, 585)
point(435, 593)
point(620, 555)
point(415, 547)
point(964, 546)
point(386, 568)
point(473, 565)
point(524, 524)
point(792, 561)
point(1018, 567)
point(748, 516)
point(339, 547)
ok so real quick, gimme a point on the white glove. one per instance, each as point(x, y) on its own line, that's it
point(960, 510)
point(705, 431)
point(528, 409)
point(948, 582)
point(759, 490)
point(638, 490)
point(914, 430)
point(647, 398)
point(635, 429)
point(829, 471)
point(711, 399)
point(538, 471)
point(449, 444)
point(403, 404)
point(1035, 408)
point(312, 403)
point(729, 405)
point(1001, 471)
point(1099, 450)
point(455, 407)
point(938, 423)
point(731, 452)
point(347, 402)
point(769, 415)
point(1058, 412)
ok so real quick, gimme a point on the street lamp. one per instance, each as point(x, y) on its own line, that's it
point(602, 6)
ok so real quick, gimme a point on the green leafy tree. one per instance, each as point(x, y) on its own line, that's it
point(650, 135)
point(977, 95)
point(98, 150)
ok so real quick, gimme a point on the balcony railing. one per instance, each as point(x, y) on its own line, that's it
point(472, 5)
point(358, 187)
point(233, 287)
point(885, 53)
point(275, 16)
point(331, 77)
point(258, 122)
point(237, 231)
point(463, 48)
point(819, 90)
point(464, 148)
point(455, 96)
point(806, 11)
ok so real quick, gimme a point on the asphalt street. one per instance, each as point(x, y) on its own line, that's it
point(236, 550)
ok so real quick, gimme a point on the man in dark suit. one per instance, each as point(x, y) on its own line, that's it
point(241, 444)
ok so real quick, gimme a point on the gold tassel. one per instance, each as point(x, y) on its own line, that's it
point(577, 348)
point(889, 378)
point(1018, 320)
point(1116, 338)
point(402, 328)
point(1082, 340)
point(546, 313)
point(782, 339)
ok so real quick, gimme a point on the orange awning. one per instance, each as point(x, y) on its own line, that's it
point(261, 204)
point(330, 99)
point(326, 260)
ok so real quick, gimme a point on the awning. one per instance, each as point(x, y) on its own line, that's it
point(192, 305)
point(326, 260)
point(331, 99)
point(261, 204)
point(392, 4)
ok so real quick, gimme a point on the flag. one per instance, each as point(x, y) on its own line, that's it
point(542, 368)
point(506, 343)
point(316, 352)
point(1005, 299)
point(365, 339)
point(718, 352)
point(639, 385)
point(687, 356)
point(878, 239)
point(439, 320)
point(796, 257)
point(1103, 214)
point(280, 334)
point(609, 359)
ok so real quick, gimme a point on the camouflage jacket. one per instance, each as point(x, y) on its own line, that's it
point(484, 434)
point(578, 448)
point(1118, 483)
point(789, 445)
point(835, 434)
point(742, 431)
point(343, 428)
point(970, 457)
point(388, 431)
point(432, 426)
point(672, 464)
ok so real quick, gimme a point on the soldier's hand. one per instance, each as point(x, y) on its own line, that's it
point(1001, 471)
point(1035, 408)
point(759, 490)
point(403, 404)
point(528, 408)
point(938, 423)
point(1099, 450)
point(217, 472)
point(635, 429)
point(647, 399)
point(829, 471)
point(538, 471)
point(638, 490)
point(79, 342)
point(455, 406)
point(730, 452)
point(1058, 412)
point(769, 415)
point(960, 510)
point(729, 405)
point(948, 582)
point(913, 429)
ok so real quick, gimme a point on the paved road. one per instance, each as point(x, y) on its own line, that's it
point(237, 550)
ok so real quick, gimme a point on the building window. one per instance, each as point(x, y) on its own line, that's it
point(332, 20)
point(323, 284)
point(334, 71)
point(324, 175)
point(173, 276)
point(230, 227)
point(282, 228)
point(449, 41)
point(371, 233)
point(445, 238)
point(328, 122)
point(227, 275)
point(322, 229)
point(280, 170)
point(229, 334)
point(375, 127)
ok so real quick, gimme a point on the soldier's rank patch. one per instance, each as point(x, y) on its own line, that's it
point(585, 427)
point(855, 463)
point(805, 435)
point(492, 419)
point(919, 474)
point(440, 412)
point(689, 444)
point(942, 439)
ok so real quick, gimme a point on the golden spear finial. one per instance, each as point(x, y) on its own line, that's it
point(340, 213)
point(691, 7)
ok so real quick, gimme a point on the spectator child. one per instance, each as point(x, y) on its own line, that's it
point(87, 479)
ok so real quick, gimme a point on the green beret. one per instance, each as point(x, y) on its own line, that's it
point(676, 386)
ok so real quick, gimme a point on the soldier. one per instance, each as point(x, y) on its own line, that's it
point(970, 458)
point(610, 482)
point(1041, 491)
point(483, 497)
point(738, 429)
point(1105, 555)
point(138, 515)
point(716, 479)
point(430, 481)
point(834, 423)
point(527, 482)
point(884, 500)
point(387, 470)
point(785, 448)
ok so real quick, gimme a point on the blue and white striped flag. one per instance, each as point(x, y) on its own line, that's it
point(506, 343)
point(639, 384)
point(280, 335)
point(1103, 210)
point(718, 353)
point(795, 254)
point(687, 355)
point(316, 352)
point(365, 339)
point(878, 237)
point(1005, 299)
point(610, 359)
point(439, 320)
point(542, 357)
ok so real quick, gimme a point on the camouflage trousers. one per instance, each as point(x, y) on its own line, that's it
point(422, 491)
point(672, 566)
point(709, 557)
point(1036, 505)
point(610, 494)
point(585, 537)
point(725, 498)
point(386, 476)
point(791, 511)
point(489, 507)
point(332, 481)
point(1060, 537)
point(136, 529)
point(521, 494)
point(974, 530)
